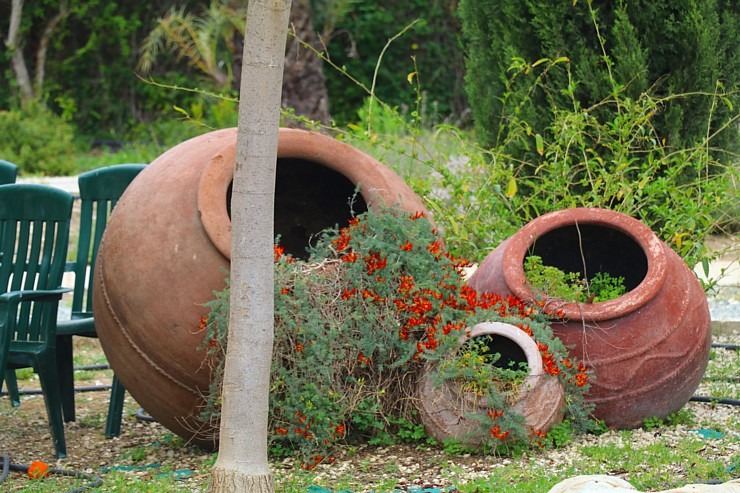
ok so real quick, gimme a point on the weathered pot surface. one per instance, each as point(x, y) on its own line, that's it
point(446, 411)
point(647, 348)
point(167, 247)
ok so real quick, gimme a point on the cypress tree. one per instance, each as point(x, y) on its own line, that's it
point(662, 47)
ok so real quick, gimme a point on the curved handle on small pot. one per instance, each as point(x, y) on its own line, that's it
point(514, 334)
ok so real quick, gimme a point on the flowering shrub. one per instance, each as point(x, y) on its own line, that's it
point(356, 323)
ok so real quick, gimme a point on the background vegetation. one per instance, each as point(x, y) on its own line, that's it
point(660, 48)
point(628, 106)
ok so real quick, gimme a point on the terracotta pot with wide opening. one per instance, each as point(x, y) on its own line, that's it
point(448, 412)
point(649, 347)
point(167, 247)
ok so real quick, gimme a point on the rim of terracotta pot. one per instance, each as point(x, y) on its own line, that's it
point(518, 337)
point(321, 149)
point(651, 246)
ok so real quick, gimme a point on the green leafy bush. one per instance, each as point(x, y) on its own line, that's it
point(37, 141)
point(357, 323)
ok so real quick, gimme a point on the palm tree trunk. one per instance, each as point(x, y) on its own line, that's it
point(242, 464)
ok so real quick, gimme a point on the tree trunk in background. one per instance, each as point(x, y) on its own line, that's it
point(242, 464)
point(304, 84)
point(13, 43)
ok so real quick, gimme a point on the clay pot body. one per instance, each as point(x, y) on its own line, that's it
point(446, 411)
point(167, 248)
point(648, 348)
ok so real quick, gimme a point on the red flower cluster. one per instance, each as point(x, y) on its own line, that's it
point(581, 376)
point(348, 293)
point(279, 251)
point(315, 461)
point(497, 433)
point(548, 361)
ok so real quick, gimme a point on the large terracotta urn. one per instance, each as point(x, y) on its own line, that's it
point(649, 347)
point(167, 248)
point(448, 410)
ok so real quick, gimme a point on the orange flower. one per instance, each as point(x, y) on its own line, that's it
point(435, 247)
point(313, 462)
point(497, 433)
point(407, 284)
point(449, 327)
point(350, 257)
point(581, 380)
point(279, 252)
point(406, 247)
point(495, 413)
point(538, 433)
point(342, 242)
point(285, 291)
point(417, 215)
point(374, 262)
point(348, 293)
point(38, 470)
point(203, 323)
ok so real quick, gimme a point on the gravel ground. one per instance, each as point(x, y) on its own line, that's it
point(146, 449)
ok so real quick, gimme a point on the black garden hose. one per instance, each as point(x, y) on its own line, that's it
point(94, 481)
point(717, 400)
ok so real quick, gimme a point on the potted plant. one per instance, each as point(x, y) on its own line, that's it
point(648, 347)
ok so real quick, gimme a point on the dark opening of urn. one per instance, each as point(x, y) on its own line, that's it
point(512, 355)
point(597, 248)
point(309, 198)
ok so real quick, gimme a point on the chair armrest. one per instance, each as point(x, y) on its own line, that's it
point(33, 295)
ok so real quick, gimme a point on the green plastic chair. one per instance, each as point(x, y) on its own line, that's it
point(8, 172)
point(34, 236)
point(100, 190)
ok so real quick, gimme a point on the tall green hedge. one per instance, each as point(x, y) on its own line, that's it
point(662, 47)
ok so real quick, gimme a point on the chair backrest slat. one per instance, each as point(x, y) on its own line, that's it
point(33, 243)
point(100, 190)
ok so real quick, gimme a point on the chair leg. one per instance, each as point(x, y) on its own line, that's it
point(65, 372)
point(52, 398)
point(12, 384)
point(115, 409)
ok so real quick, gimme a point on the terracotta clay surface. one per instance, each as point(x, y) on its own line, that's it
point(168, 244)
point(649, 347)
point(446, 411)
